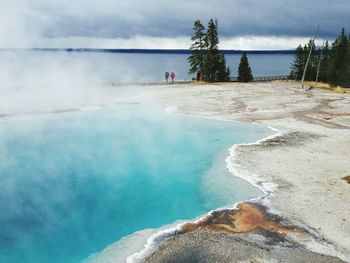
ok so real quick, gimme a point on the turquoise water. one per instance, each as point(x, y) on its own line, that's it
point(73, 183)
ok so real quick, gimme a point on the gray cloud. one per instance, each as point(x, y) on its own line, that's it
point(37, 19)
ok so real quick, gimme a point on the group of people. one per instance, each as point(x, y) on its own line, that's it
point(199, 77)
point(172, 76)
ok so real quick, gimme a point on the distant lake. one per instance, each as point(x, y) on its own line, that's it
point(117, 67)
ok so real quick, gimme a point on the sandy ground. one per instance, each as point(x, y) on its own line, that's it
point(302, 169)
point(209, 247)
point(307, 162)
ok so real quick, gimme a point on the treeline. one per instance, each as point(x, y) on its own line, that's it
point(332, 62)
point(206, 60)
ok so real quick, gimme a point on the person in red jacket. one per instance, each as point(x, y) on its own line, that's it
point(172, 76)
point(201, 76)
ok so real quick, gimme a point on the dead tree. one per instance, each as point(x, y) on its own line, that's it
point(319, 62)
point(308, 58)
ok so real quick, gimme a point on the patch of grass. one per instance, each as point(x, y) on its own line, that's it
point(329, 87)
point(203, 83)
point(347, 179)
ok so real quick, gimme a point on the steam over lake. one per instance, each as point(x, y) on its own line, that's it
point(79, 171)
point(123, 67)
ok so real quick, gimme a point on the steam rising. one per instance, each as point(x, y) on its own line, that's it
point(48, 81)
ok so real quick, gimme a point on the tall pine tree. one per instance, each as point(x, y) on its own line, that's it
point(335, 61)
point(223, 72)
point(212, 56)
point(197, 48)
point(325, 63)
point(244, 70)
point(312, 66)
point(298, 64)
point(339, 65)
point(205, 55)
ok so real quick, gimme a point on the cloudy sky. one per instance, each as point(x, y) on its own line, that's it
point(243, 24)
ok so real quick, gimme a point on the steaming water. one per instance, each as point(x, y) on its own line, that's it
point(73, 183)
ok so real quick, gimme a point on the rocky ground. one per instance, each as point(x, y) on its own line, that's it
point(308, 163)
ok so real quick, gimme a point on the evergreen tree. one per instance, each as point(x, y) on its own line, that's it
point(205, 55)
point(244, 70)
point(335, 62)
point(325, 63)
point(312, 66)
point(315, 55)
point(222, 70)
point(297, 67)
point(197, 48)
point(212, 56)
point(339, 65)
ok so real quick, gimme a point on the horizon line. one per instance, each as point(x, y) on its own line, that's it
point(150, 50)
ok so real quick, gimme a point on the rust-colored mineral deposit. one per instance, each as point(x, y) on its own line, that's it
point(246, 218)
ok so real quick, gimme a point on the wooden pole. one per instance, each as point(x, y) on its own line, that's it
point(319, 62)
point(308, 58)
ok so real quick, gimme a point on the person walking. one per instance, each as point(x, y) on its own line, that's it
point(172, 76)
point(166, 76)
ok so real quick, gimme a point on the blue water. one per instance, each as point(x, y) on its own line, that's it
point(73, 183)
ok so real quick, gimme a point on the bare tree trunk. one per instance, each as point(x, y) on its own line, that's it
point(319, 63)
point(308, 59)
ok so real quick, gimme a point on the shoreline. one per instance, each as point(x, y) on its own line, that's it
point(306, 161)
point(156, 234)
point(304, 117)
point(253, 179)
point(303, 168)
point(152, 241)
point(267, 188)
